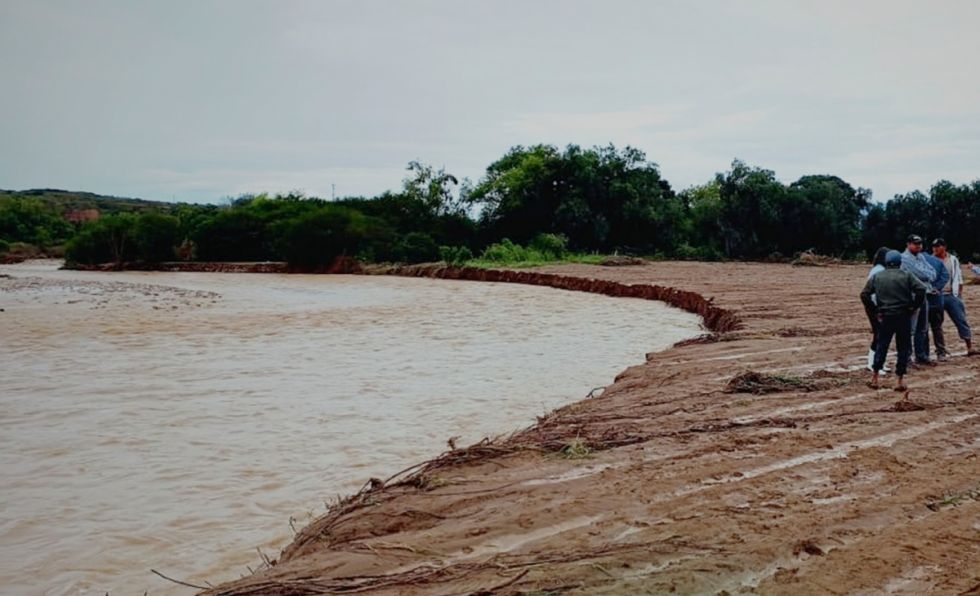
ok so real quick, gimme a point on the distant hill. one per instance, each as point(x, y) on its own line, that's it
point(67, 201)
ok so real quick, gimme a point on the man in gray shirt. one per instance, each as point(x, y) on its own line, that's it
point(914, 262)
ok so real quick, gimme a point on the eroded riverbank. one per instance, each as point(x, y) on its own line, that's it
point(682, 486)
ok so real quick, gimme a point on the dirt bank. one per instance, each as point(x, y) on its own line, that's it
point(686, 476)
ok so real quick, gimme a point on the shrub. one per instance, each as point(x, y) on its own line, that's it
point(418, 247)
point(553, 246)
point(4, 246)
point(505, 251)
point(686, 252)
point(455, 255)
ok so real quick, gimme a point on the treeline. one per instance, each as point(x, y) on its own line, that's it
point(408, 226)
point(38, 222)
point(537, 201)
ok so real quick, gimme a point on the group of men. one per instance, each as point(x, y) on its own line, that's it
point(907, 295)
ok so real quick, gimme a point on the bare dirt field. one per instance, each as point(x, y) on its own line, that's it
point(687, 476)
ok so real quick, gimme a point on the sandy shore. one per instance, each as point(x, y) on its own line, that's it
point(671, 482)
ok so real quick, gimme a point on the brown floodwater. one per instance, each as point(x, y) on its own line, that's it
point(179, 421)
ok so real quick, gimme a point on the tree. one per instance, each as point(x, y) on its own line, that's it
point(433, 188)
point(318, 237)
point(954, 214)
point(601, 198)
point(31, 220)
point(233, 234)
point(155, 235)
point(109, 239)
point(751, 202)
point(823, 213)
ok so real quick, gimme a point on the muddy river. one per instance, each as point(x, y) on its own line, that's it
point(180, 421)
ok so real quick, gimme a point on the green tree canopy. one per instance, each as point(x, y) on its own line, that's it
point(31, 220)
point(601, 198)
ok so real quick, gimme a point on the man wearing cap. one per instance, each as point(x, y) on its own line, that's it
point(952, 302)
point(914, 262)
point(897, 294)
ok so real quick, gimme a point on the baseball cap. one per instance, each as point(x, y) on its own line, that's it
point(939, 242)
point(914, 239)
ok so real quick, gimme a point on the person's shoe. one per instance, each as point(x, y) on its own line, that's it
point(925, 363)
point(943, 357)
point(873, 383)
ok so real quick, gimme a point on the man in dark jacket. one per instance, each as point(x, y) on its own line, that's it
point(897, 295)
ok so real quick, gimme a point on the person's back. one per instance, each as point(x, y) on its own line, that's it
point(895, 291)
point(942, 274)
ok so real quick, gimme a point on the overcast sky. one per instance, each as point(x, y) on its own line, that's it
point(198, 100)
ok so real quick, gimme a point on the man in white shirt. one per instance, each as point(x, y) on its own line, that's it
point(952, 301)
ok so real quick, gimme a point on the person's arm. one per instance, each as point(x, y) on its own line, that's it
point(920, 268)
point(925, 270)
point(919, 290)
point(942, 277)
point(869, 289)
point(957, 276)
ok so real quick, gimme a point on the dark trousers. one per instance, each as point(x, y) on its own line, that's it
point(936, 324)
point(900, 327)
point(872, 313)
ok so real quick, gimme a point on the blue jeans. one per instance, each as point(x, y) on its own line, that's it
point(957, 312)
point(920, 332)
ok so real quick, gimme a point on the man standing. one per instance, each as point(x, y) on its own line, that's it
point(914, 262)
point(934, 302)
point(898, 294)
point(952, 300)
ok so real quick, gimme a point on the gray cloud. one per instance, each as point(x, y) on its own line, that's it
point(208, 99)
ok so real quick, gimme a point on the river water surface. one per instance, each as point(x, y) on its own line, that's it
point(177, 421)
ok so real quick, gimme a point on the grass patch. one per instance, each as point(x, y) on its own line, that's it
point(576, 449)
point(587, 259)
point(426, 482)
point(543, 249)
point(954, 499)
point(759, 383)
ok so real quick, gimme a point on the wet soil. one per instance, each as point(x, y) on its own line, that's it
point(675, 480)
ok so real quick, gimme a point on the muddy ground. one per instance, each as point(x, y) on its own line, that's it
point(679, 479)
